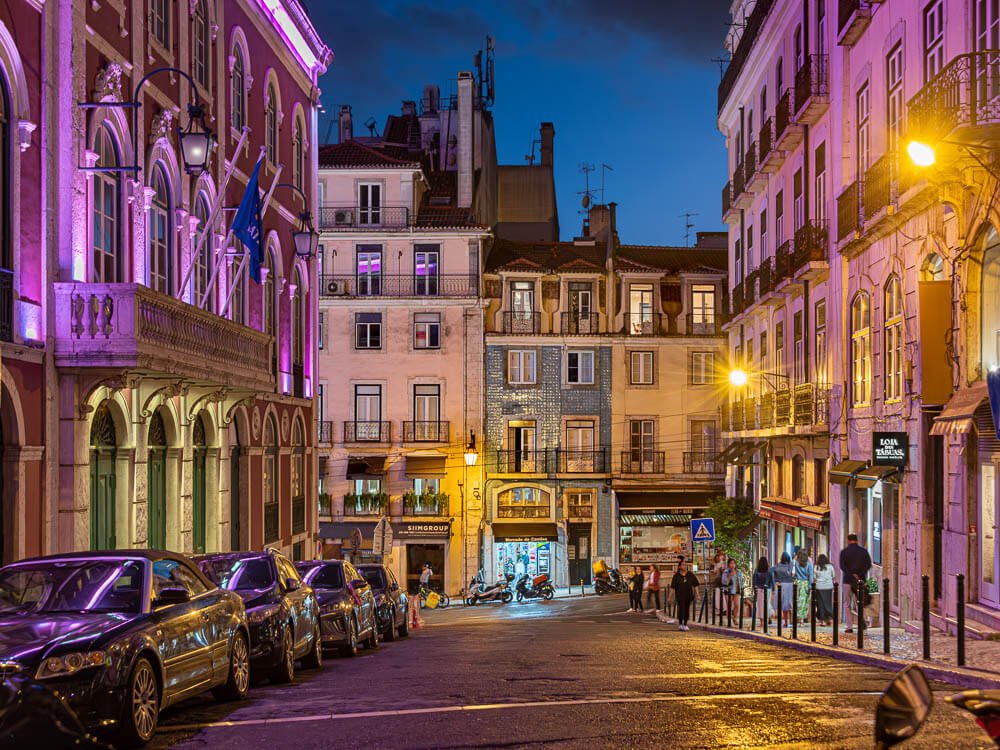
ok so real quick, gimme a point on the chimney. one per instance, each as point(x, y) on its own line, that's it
point(432, 98)
point(599, 222)
point(409, 108)
point(548, 135)
point(465, 139)
point(346, 123)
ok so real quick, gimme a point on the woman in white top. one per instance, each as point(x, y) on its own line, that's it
point(823, 575)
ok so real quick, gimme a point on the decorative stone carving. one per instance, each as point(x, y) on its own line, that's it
point(285, 423)
point(24, 130)
point(109, 83)
point(255, 423)
point(161, 126)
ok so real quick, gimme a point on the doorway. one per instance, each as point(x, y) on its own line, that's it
point(198, 509)
point(416, 556)
point(156, 474)
point(103, 440)
point(988, 557)
point(235, 514)
point(578, 552)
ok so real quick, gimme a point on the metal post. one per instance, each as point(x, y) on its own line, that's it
point(836, 613)
point(754, 613)
point(780, 608)
point(742, 607)
point(712, 597)
point(885, 616)
point(765, 597)
point(795, 609)
point(960, 617)
point(583, 591)
point(925, 606)
point(812, 613)
point(729, 610)
point(861, 588)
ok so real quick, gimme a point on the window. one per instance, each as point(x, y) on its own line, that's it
point(862, 104)
point(269, 485)
point(798, 478)
point(762, 223)
point(521, 366)
point(989, 309)
point(738, 259)
point(580, 307)
point(522, 299)
point(579, 504)
point(427, 331)
point(107, 187)
point(298, 322)
point(798, 349)
point(161, 234)
point(894, 102)
point(893, 331)
point(702, 308)
point(369, 270)
point(298, 473)
point(199, 44)
point(159, 21)
point(819, 480)
point(523, 502)
point(640, 456)
point(798, 201)
point(821, 26)
point(640, 309)
point(779, 76)
point(703, 443)
point(799, 52)
point(751, 261)
point(238, 92)
point(580, 368)
point(426, 412)
point(861, 350)
point(763, 351)
point(367, 412)
point(237, 282)
point(298, 155)
point(426, 485)
point(426, 260)
point(203, 261)
point(370, 203)
point(819, 185)
point(522, 456)
point(933, 39)
point(779, 350)
point(367, 486)
point(321, 335)
point(271, 125)
point(932, 268)
point(367, 330)
point(822, 377)
point(270, 302)
point(779, 476)
point(702, 369)
point(579, 453)
point(641, 368)
point(779, 218)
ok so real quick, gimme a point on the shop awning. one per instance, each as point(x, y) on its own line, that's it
point(425, 466)
point(663, 502)
point(525, 532)
point(343, 530)
point(794, 514)
point(868, 477)
point(365, 466)
point(654, 519)
point(729, 451)
point(957, 415)
point(750, 448)
point(845, 471)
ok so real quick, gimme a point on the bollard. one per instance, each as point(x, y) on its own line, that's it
point(836, 613)
point(925, 619)
point(860, 589)
point(960, 617)
point(780, 610)
point(885, 616)
point(812, 613)
point(795, 609)
point(755, 610)
point(742, 606)
point(765, 597)
point(712, 597)
point(729, 610)
point(583, 591)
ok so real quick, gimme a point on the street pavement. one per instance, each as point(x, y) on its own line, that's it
point(568, 673)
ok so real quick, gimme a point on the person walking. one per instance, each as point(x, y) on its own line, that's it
point(802, 569)
point(855, 562)
point(823, 577)
point(761, 581)
point(684, 590)
point(653, 589)
point(635, 590)
point(781, 579)
point(732, 585)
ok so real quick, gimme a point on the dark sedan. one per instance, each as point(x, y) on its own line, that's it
point(346, 602)
point(392, 606)
point(122, 635)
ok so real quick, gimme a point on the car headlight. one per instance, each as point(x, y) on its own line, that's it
point(261, 615)
point(60, 666)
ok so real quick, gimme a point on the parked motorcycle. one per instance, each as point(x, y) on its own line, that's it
point(479, 592)
point(905, 704)
point(538, 587)
point(612, 582)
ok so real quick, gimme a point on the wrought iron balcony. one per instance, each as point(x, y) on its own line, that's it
point(782, 407)
point(298, 514)
point(426, 432)
point(643, 324)
point(765, 140)
point(811, 245)
point(523, 323)
point(426, 504)
point(367, 432)
point(821, 404)
point(802, 404)
point(727, 199)
point(739, 183)
point(271, 525)
point(512, 461)
point(704, 323)
point(765, 410)
point(348, 218)
point(701, 462)
point(124, 326)
point(787, 132)
point(853, 18)
point(765, 277)
point(579, 323)
point(751, 29)
point(750, 161)
point(877, 187)
point(642, 461)
point(582, 462)
point(849, 211)
point(739, 298)
point(961, 103)
point(399, 285)
point(783, 262)
point(324, 432)
point(812, 88)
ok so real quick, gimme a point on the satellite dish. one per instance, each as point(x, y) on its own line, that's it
point(586, 200)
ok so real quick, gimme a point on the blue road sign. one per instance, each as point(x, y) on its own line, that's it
point(702, 529)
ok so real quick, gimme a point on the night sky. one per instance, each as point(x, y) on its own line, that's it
point(629, 83)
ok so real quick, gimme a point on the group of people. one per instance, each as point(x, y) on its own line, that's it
point(683, 590)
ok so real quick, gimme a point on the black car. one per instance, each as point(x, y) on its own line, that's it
point(121, 635)
point(392, 606)
point(282, 611)
point(346, 604)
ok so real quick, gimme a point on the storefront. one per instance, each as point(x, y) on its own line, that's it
point(655, 527)
point(531, 548)
point(419, 542)
point(791, 526)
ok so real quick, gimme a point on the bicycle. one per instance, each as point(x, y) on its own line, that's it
point(443, 599)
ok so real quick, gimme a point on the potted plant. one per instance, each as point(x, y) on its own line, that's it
point(380, 502)
point(324, 504)
point(441, 500)
point(410, 499)
point(350, 502)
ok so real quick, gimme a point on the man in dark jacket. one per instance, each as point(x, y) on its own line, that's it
point(855, 562)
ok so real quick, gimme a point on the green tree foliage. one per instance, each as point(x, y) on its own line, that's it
point(733, 516)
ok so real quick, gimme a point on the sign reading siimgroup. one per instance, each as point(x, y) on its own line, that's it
point(422, 529)
point(890, 448)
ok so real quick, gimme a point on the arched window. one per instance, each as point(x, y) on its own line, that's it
point(298, 321)
point(989, 302)
point(107, 191)
point(199, 43)
point(238, 95)
point(271, 125)
point(298, 478)
point(861, 350)
point(159, 21)
point(203, 261)
point(238, 286)
point(199, 515)
point(298, 155)
point(156, 483)
point(161, 234)
point(270, 484)
point(932, 268)
point(893, 331)
point(269, 301)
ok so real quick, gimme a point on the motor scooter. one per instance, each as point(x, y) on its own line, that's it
point(611, 582)
point(904, 706)
point(538, 587)
point(479, 592)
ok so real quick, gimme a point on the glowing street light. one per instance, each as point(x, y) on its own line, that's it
point(920, 153)
point(738, 378)
point(471, 454)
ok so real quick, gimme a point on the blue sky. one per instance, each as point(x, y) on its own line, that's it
point(630, 84)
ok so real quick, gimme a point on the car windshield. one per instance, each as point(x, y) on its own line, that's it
point(238, 574)
point(328, 577)
point(375, 577)
point(73, 586)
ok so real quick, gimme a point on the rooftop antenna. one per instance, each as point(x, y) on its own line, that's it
point(329, 127)
point(723, 63)
point(370, 124)
point(688, 226)
point(530, 158)
point(588, 197)
point(605, 168)
point(483, 60)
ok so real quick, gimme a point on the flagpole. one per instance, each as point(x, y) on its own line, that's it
point(232, 287)
point(212, 215)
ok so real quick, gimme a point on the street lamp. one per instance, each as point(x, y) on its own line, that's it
point(924, 154)
point(920, 153)
point(739, 378)
point(195, 144)
point(305, 238)
point(471, 454)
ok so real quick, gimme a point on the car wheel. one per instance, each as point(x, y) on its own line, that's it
point(371, 642)
point(142, 705)
point(404, 629)
point(284, 672)
point(390, 632)
point(237, 685)
point(351, 649)
point(314, 659)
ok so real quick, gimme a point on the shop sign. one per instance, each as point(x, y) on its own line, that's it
point(537, 538)
point(890, 448)
point(441, 529)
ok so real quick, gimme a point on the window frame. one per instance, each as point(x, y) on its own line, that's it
point(932, 29)
point(860, 320)
point(522, 356)
point(238, 90)
point(893, 341)
point(201, 64)
point(160, 234)
point(642, 354)
point(701, 367)
point(369, 326)
point(271, 115)
point(580, 368)
point(105, 183)
point(431, 331)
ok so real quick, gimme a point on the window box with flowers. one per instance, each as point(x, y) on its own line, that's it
point(425, 503)
point(366, 503)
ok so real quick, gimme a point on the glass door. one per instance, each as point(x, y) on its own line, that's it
point(425, 269)
point(640, 309)
point(426, 412)
point(367, 412)
point(988, 558)
point(370, 203)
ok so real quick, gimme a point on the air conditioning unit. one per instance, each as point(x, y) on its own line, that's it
point(343, 218)
point(336, 288)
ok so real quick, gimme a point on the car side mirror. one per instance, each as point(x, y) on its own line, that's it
point(359, 583)
point(292, 585)
point(171, 596)
point(903, 707)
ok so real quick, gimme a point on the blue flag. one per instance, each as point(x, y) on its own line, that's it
point(247, 226)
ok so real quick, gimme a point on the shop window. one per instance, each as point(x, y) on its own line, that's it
point(524, 502)
point(579, 504)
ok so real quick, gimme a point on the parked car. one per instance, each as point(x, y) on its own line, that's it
point(122, 635)
point(392, 605)
point(346, 603)
point(282, 611)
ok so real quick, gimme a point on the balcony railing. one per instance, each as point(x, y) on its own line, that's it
point(425, 504)
point(367, 432)
point(399, 285)
point(324, 432)
point(6, 305)
point(271, 516)
point(426, 432)
point(811, 242)
point(853, 18)
point(298, 514)
point(802, 404)
point(325, 505)
point(962, 102)
point(524, 323)
point(127, 326)
point(334, 218)
point(849, 211)
point(782, 115)
point(821, 404)
point(642, 324)
point(782, 407)
point(580, 510)
point(811, 81)
point(701, 462)
point(751, 29)
point(783, 262)
point(739, 182)
point(642, 461)
point(512, 461)
point(705, 323)
point(366, 504)
point(750, 161)
point(727, 197)
point(877, 188)
point(765, 417)
point(582, 462)
point(765, 277)
point(765, 140)
point(580, 323)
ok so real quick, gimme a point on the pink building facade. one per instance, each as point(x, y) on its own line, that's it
point(905, 261)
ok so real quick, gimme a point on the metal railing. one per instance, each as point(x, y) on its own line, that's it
point(367, 432)
point(580, 511)
point(642, 461)
point(324, 432)
point(513, 461)
point(751, 29)
point(727, 197)
point(782, 407)
point(877, 188)
point(783, 261)
point(579, 323)
point(765, 277)
point(812, 79)
point(642, 324)
point(426, 431)
point(765, 412)
point(847, 9)
point(516, 322)
point(738, 296)
point(582, 461)
point(399, 285)
point(765, 139)
point(298, 514)
point(704, 323)
point(353, 217)
point(271, 516)
point(739, 181)
point(810, 245)
point(802, 404)
point(782, 115)
point(849, 211)
point(964, 94)
point(750, 162)
point(701, 462)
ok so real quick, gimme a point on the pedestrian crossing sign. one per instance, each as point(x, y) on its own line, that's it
point(702, 529)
